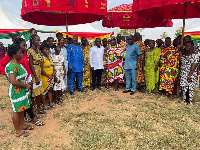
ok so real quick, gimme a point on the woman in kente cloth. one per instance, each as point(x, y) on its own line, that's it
point(169, 68)
point(104, 74)
point(152, 57)
point(188, 72)
point(115, 71)
point(86, 72)
point(18, 90)
point(140, 71)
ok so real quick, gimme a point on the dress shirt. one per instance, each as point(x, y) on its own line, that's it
point(96, 57)
point(131, 58)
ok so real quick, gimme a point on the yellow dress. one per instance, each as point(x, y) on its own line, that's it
point(37, 60)
point(48, 68)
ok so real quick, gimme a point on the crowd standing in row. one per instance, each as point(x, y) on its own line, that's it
point(45, 70)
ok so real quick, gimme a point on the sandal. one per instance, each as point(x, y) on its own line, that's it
point(47, 108)
point(39, 123)
point(23, 134)
point(52, 105)
point(28, 128)
point(58, 102)
point(41, 112)
point(27, 120)
point(116, 89)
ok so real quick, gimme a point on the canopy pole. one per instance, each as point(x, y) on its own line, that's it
point(66, 26)
point(183, 29)
point(181, 46)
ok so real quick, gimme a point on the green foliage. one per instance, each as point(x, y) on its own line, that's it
point(126, 32)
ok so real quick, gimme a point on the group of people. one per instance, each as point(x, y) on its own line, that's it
point(38, 72)
point(166, 67)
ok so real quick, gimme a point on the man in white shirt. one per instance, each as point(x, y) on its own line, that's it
point(96, 63)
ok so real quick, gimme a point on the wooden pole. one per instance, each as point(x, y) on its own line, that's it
point(183, 29)
point(66, 25)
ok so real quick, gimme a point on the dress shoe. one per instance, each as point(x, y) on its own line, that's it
point(126, 91)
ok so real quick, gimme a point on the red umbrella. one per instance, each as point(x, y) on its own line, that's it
point(62, 12)
point(171, 9)
point(122, 16)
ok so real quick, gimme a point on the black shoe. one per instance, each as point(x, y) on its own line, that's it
point(132, 93)
point(71, 93)
point(126, 91)
point(99, 88)
point(82, 91)
point(93, 88)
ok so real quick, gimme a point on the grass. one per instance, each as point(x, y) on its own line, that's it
point(109, 120)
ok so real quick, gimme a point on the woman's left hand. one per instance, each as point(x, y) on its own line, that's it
point(189, 79)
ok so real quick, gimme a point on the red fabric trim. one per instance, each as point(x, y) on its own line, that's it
point(110, 66)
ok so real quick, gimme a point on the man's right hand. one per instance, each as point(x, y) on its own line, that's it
point(92, 68)
point(70, 68)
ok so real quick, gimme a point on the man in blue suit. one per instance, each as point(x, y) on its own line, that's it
point(75, 63)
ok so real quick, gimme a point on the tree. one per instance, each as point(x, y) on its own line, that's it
point(164, 35)
point(125, 32)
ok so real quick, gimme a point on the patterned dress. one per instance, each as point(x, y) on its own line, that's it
point(58, 61)
point(20, 98)
point(156, 54)
point(169, 69)
point(114, 65)
point(152, 77)
point(37, 60)
point(140, 72)
point(48, 68)
point(104, 73)
point(86, 73)
point(187, 62)
point(149, 71)
point(123, 46)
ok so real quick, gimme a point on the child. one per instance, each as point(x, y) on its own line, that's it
point(18, 90)
point(35, 61)
point(63, 51)
point(59, 85)
point(48, 72)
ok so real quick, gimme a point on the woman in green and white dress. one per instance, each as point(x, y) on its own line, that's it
point(18, 90)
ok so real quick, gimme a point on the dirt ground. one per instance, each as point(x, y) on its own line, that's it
point(105, 120)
